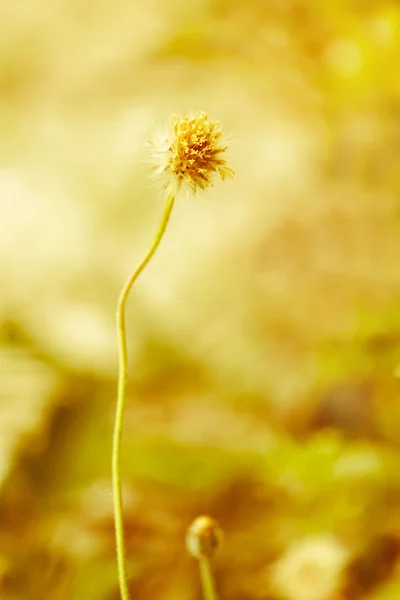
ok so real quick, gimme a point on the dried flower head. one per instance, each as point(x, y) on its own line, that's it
point(311, 569)
point(204, 537)
point(189, 153)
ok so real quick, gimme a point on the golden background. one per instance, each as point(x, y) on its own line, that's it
point(264, 338)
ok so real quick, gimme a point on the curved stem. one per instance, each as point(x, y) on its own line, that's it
point(207, 580)
point(119, 415)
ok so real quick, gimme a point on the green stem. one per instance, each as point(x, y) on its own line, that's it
point(207, 580)
point(119, 415)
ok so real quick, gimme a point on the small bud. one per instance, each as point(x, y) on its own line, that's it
point(204, 537)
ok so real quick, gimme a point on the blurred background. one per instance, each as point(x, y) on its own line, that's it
point(264, 339)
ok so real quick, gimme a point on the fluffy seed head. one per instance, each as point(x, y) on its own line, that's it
point(204, 537)
point(189, 154)
point(311, 569)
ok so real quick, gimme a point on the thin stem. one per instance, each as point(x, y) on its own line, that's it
point(119, 415)
point(207, 579)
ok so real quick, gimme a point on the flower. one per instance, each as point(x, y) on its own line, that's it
point(189, 153)
point(311, 569)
